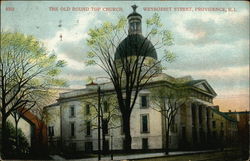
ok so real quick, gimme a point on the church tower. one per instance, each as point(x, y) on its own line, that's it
point(135, 45)
point(134, 20)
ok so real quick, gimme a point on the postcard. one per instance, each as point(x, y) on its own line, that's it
point(124, 80)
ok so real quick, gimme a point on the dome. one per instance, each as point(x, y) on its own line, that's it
point(134, 14)
point(135, 44)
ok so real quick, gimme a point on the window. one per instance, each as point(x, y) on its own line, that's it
point(105, 106)
point(88, 128)
point(87, 109)
point(222, 134)
point(144, 124)
point(173, 127)
point(133, 26)
point(214, 124)
point(51, 131)
point(106, 145)
point(105, 126)
point(88, 146)
point(72, 111)
point(214, 135)
point(72, 146)
point(183, 133)
point(144, 143)
point(72, 129)
point(122, 131)
point(144, 101)
point(221, 124)
point(123, 144)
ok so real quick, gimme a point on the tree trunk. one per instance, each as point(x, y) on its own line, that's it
point(104, 150)
point(16, 135)
point(103, 144)
point(4, 135)
point(167, 142)
point(126, 130)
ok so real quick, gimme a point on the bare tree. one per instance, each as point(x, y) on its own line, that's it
point(109, 114)
point(25, 67)
point(168, 100)
point(132, 62)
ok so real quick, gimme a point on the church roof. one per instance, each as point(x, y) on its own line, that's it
point(135, 44)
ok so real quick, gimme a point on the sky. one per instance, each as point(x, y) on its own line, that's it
point(211, 45)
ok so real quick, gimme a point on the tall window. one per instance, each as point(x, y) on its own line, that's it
point(183, 133)
point(144, 101)
point(214, 124)
point(88, 146)
point(51, 130)
point(105, 106)
point(72, 129)
point(221, 124)
point(87, 109)
point(133, 26)
point(122, 131)
point(88, 128)
point(144, 143)
point(72, 111)
point(105, 126)
point(144, 123)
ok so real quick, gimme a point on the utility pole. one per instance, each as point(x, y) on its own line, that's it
point(99, 132)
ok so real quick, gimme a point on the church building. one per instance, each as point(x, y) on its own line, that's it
point(73, 119)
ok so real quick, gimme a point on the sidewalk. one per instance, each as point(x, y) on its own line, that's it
point(137, 156)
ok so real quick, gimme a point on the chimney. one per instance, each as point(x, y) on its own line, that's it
point(217, 108)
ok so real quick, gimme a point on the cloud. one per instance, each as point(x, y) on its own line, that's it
point(71, 47)
point(205, 28)
point(212, 56)
point(78, 77)
point(226, 81)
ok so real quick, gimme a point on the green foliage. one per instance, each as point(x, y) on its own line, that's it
point(27, 70)
point(26, 57)
point(23, 146)
point(167, 38)
point(154, 20)
point(101, 39)
point(169, 56)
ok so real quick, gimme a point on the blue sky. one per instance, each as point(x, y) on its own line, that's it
point(211, 45)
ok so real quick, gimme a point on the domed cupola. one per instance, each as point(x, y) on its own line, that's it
point(135, 44)
point(134, 20)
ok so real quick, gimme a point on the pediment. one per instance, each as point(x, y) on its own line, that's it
point(204, 86)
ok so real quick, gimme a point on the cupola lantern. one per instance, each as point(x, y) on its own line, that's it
point(134, 20)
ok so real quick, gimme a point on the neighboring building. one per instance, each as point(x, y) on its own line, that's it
point(192, 127)
point(243, 118)
point(224, 129)
point(53, 126)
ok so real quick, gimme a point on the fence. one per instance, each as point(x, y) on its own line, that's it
point(109, 144)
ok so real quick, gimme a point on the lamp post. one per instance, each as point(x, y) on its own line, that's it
point(99, 131)
point(111, 146)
